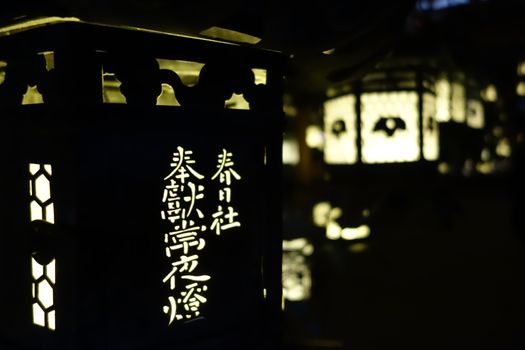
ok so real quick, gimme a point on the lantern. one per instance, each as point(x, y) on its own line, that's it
point(401, 115)
point(388, 117)
point(138, 212)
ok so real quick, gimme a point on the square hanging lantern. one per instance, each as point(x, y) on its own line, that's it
point(388, 117)
point(138, 211)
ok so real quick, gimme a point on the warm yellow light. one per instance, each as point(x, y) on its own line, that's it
point(296, 275)
point(333, 230)
point(45, 293)
point(443, 168)
point(443, 97)
point(340, 130)
point(485, 154)
point(430, 128)
point(520, 88)
point(475, 114)
point(49, 57)
point(260, 76)
point(485, 167)
point(37, 269)
point(503, 148)
point(51, 320)
point(458, 107)
point(314, 137)
point(34, 24)
point(229, 35)
point(39, 316)
point(365, 213)
point(36, 212)
point(329, 52)
point(321, 213)
point(51, 271)
point(353, 233)
point(42, 188)
point(380, 147)
point(358, 247)
point(290, 151)
point(32, 96)
point(521, 69)
point(490, 94)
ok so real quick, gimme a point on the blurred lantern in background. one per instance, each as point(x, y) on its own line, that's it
point(405, 114)
point(388, 117)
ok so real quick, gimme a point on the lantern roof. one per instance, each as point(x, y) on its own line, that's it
point(72, 34)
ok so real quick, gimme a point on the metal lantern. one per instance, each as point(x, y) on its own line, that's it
point(388, 117)
point(138, 211)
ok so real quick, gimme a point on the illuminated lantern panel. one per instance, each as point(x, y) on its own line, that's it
point(458, 106)
point(297, 277)
point(340, 130)
point(389, 127)
point(443, 96)
point(475, 114)
point(430, 128)
point(44, 276)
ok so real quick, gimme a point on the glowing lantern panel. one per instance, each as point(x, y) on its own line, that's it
point(389, 127)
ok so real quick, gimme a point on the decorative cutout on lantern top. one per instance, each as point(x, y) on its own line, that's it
point(340, 130)
point(379, 147)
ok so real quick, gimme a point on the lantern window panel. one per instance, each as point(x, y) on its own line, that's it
point(475, 114)
point(443, 100)
point(389, 127)
point(430, 128)
point(458, 103)
point(340, 130)
point(296, 272)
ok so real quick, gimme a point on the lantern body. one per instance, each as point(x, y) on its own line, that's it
point(133, 225)
point(389, 118)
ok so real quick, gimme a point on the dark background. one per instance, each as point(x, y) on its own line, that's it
point(444, 266)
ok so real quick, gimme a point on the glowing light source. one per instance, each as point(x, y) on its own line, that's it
point(490, 94)
point(44, 276)
point(521, 69)
point(430, 128)
point(324, 215)
point(384, 144)
point(503, 148)
point(340, 130)
point(349, 233)
point(314, 137)
point(458, 107)
point(475, 114)
point(520, 88)
point(229, 35)
point(297, 279)
point(291, 153)
point(443, 99)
